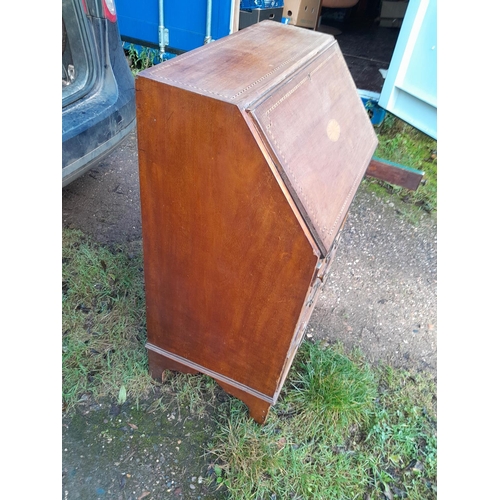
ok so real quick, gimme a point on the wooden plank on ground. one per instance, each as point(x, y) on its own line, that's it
point(394, 173)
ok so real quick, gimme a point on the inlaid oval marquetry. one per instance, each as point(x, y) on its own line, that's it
point(333, 130)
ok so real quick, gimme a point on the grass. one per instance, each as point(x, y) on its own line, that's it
point(104, 329)
point(103, 321)
point(341, 430)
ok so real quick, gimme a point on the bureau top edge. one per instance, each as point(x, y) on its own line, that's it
point(241, 67)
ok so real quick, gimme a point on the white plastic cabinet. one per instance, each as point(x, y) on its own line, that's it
point(410, 88)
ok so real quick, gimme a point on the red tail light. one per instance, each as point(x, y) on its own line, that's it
point(109, 10)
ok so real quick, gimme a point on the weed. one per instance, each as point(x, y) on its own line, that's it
point(141, 58)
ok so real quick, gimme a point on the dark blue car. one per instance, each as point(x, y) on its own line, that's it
point(98, 94)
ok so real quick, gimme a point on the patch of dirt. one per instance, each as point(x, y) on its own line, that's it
point(131, 452)
point(105, 202)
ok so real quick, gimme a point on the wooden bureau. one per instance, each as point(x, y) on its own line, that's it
point(251, 149)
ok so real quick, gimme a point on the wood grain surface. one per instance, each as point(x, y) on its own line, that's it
point(250, 151)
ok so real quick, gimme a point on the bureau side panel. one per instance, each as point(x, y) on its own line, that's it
point(227, 264)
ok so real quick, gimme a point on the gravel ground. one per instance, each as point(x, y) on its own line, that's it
point(380, 297)
point(381, 294)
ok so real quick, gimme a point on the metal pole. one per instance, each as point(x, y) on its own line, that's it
point(208, 35)
point(161, 29)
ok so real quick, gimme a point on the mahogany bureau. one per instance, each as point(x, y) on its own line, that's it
point(251, 149)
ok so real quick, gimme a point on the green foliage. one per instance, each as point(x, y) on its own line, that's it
point(404, 430)
point(141, 58)
point(341, 430)
point(103, 320)
point(331, 389)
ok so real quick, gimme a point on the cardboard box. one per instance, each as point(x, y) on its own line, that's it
point(302, 13)
point(392, 13)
